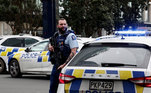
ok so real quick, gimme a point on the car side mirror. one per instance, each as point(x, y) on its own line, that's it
point(27, 49)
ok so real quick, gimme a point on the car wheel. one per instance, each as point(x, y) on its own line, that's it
point(2, 66)
point(14, 69)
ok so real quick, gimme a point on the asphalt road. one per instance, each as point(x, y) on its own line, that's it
point(26, 84)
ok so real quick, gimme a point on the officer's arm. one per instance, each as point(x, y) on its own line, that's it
point(50, 48)
point(73, 52)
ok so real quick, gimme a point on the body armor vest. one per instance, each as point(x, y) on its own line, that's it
point(64, 48)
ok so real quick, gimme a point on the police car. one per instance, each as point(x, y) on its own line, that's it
point(35, 59)
point(117, 64)
point(14, 43)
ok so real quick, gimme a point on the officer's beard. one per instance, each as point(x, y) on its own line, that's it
point(62, 30)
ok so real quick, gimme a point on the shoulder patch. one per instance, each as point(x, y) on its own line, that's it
point(73, 37)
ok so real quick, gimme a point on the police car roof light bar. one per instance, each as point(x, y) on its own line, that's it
point(132, 33)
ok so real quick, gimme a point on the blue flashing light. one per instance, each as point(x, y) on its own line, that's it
point(133, 33)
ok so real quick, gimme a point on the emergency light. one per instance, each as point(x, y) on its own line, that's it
point(133, 33)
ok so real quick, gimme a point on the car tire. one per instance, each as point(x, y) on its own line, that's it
point(2, 66)
point(14, 69)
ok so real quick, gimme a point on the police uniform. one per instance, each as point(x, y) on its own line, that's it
point(65, 43)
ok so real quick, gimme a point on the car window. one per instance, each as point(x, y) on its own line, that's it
point(1, 38)
point(30, 41)
point(115, 55)
point(41, 46)
point(13, 42)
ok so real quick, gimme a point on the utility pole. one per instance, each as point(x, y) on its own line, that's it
point(49, 18)
point(149, 11)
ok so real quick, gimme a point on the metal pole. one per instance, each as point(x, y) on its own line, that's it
point(149, 11)
point(49, 18)
point(2, 28)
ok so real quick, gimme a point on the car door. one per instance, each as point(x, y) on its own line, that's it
point(30, 60)
point(45, 59)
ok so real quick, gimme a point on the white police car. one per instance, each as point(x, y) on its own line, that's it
point(35, 59)
point(14, 43)
point(119, 64)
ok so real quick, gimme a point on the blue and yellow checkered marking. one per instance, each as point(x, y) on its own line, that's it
point(137, 74)
point(14, 50)
point(4, 52)
point(10, 57)
point(89, 71)
point(48, 53)
point(8, 51)
point(111, 72)
point(16, 56)
point(44, 57)
point(39, 59)
point(69, 72)
point(75, 85)
point(128, 87)
point(124, 74)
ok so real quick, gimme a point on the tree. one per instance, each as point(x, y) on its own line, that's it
point(128, 13)
point(6, 10)
point(90, 16)
point(22, 15)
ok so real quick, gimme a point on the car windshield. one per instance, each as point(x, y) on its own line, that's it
point(113, 55)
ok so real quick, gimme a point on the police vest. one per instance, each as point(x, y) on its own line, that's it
point(64, 48)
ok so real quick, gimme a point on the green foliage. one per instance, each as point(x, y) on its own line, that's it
point(85, 15)
point(90, 16)
point(21, 14)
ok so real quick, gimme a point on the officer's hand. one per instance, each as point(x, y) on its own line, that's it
point(61, 66)
point(50, 48)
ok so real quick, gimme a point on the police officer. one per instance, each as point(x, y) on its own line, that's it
point(67, 43)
